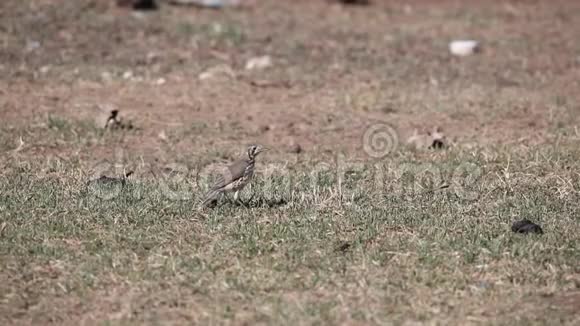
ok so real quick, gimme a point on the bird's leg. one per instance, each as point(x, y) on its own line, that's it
point(251, 197)
point(227, 195)
point(238, 200)
point(247, 203)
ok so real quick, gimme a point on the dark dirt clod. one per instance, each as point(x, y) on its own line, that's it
point(145, 5)
point(138, 4)
point(355, 2)
point(343, 246)
point(526, 226)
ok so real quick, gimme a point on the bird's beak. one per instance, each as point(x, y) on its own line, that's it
point(263, 149)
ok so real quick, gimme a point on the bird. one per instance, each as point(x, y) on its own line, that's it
point(236, 176)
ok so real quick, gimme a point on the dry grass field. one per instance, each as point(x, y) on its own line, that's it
point(337, 228)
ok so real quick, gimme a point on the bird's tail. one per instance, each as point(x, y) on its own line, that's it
point(211, 196)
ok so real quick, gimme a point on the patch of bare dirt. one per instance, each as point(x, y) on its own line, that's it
point(336, 71)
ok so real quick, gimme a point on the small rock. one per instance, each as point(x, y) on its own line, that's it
point(128, 74)
point(160, 81)
point(162, 135)
point(295, 148)
point(526, 226)
point(463, 48)
point(259, 63)
point(44, 69)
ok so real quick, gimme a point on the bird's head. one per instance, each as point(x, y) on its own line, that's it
point(254, 150)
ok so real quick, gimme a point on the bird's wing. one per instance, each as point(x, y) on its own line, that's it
point(230, 174)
